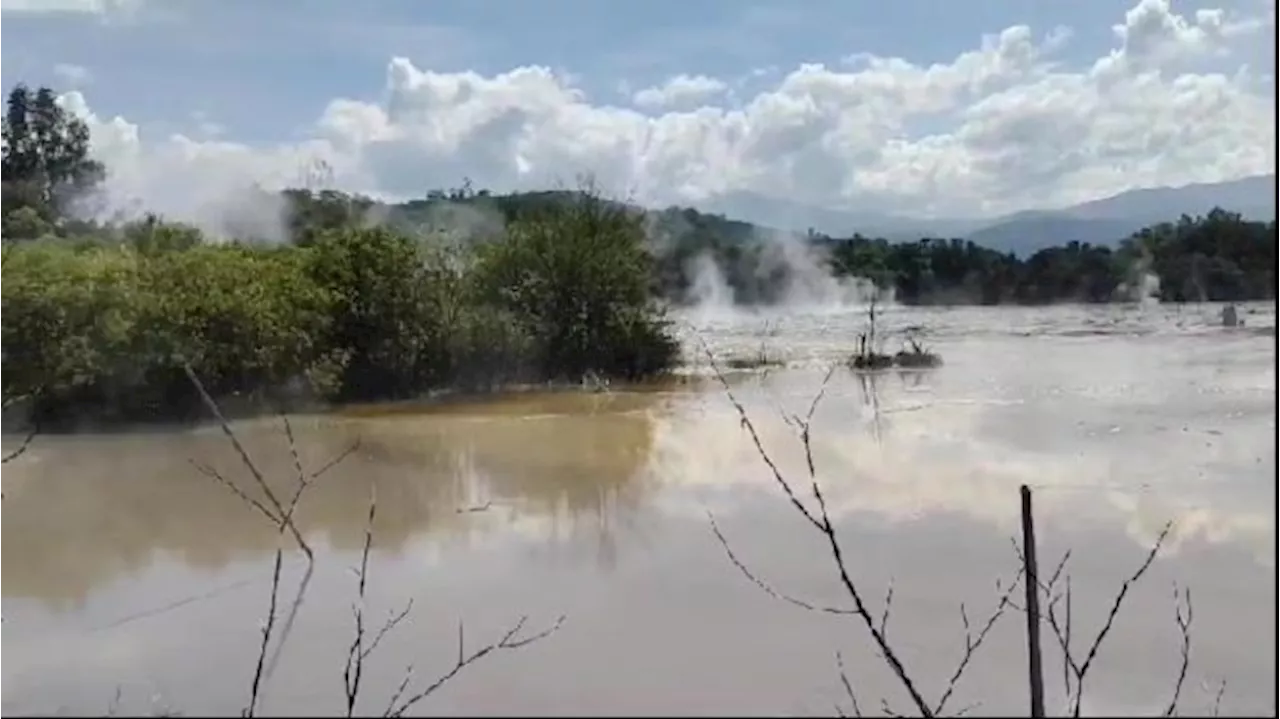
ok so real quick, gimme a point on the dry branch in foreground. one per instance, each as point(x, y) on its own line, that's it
point(26, 439)
point(359, 650)
point(820, 520)
point(281, 515)
point(1074, 671)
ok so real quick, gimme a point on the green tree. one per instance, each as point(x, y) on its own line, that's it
point(577, 274)
point(45, 163)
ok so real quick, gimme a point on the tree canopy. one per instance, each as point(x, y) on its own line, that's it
point(46, 164)
point(464, 288)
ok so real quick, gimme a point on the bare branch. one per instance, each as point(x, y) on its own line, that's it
point(765, 586)
point(508, 641)
point(387, 626)
point(1092, 654)
point(114, 706)
point(1067, 661)
point(755, 438)
point(888, 606)
point(359, 650)
point(268, 625)
point(282, 516)
point(8, 402)
point(22, 448)
point(1062, 626)
point(848, 686)
point(1217, 698)
point(399, 692)
point(821, 520)
point(294, 607)
point(1182, 614)
point(972, 642)
point(337, 459)
point(213, 474)
point(353, 671)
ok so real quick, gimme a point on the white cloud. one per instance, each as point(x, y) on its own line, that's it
point(96, 7)
point(72, 76)
point(1008, 128)
point(679, 90)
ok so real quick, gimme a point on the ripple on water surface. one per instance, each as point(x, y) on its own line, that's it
point(124, 567)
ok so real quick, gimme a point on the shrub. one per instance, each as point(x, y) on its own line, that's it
point(576, 276)
point(103, 322)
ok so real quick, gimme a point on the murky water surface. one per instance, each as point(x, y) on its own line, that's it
point(133, 581)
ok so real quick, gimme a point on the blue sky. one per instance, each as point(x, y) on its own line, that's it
point(262, 69)
point(264, 72)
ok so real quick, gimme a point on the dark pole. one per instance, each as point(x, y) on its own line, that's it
point(1031, 583)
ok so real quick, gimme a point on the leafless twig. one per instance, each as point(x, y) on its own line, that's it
point(282, 516)
point(294, 608)
point(268, 625)
point(972, 642)
point(1182, 614)
point(359, 650)
point(821, 520)
point(1217, 697)
point(30, 435)
point(509, 640)
point(1081, 670)
point(353, 671)
point(765, 586)
point(1075, 671)
point(26, 442)
point(848, 687)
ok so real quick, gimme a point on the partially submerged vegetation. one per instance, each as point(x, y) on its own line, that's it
point(351, 299)
point(763, 357)
point(915, 356)
point(867, 356)
point(358, 314)
point(100, 318)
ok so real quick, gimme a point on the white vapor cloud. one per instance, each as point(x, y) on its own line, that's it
point(1009, 127)
point(679, 90)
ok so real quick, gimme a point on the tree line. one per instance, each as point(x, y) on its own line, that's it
point(360, 300)
point(103, 318)
point(1220, 256)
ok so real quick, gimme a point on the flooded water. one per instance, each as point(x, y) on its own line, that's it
point(133, 582)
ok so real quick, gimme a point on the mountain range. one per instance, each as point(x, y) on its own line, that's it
point(1103, 221)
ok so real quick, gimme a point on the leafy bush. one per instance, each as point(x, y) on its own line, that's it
point(104, 323)
point(576, 276)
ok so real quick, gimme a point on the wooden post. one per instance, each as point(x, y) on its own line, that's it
point(1031, 583)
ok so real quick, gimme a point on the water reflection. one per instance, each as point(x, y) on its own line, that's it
point(121, 558)
point(82, 511)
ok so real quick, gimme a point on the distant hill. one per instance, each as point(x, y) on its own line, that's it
point(785, 214)
point(1254, 197)
point(1110, 219)
point(1103, 221)
point(738, 217)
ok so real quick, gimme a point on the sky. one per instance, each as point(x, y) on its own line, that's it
point(916, 107)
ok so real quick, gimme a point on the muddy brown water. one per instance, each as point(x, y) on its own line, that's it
point(133, 582)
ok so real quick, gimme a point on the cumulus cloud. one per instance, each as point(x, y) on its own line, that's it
point(679, 90)
point(95, 7)
point(1009, 126)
